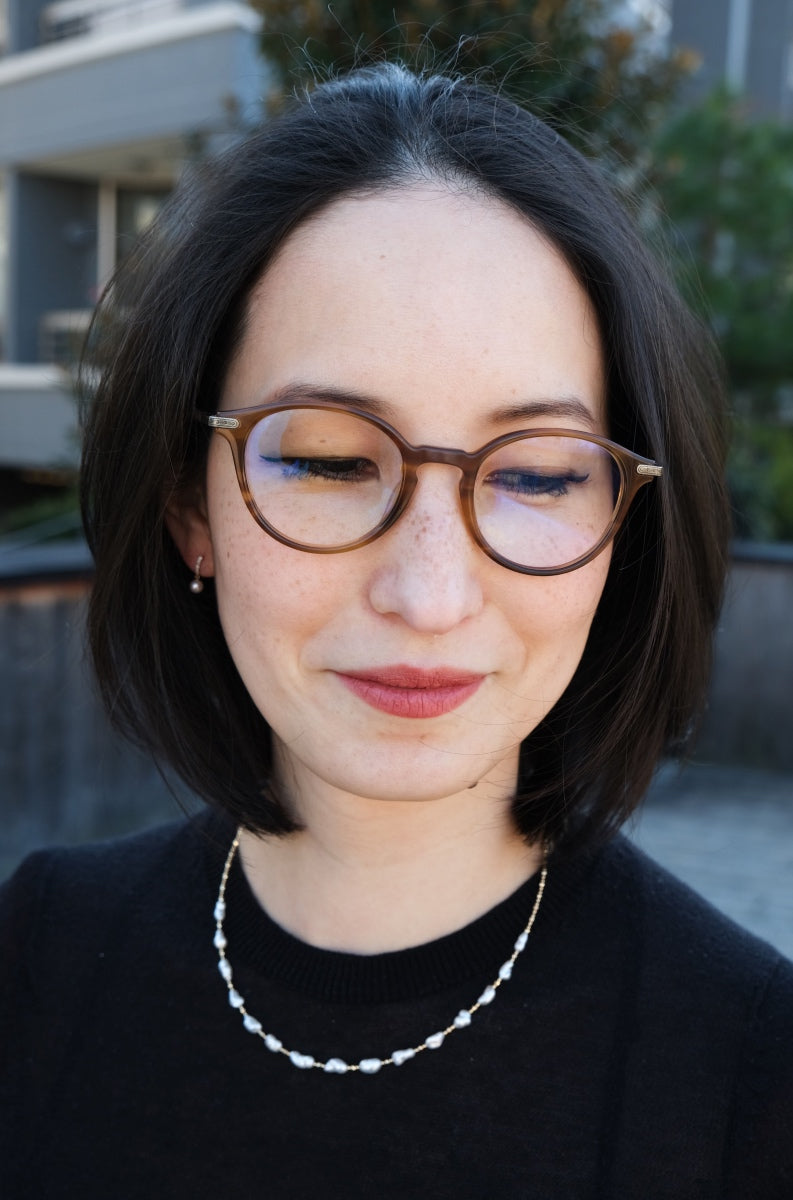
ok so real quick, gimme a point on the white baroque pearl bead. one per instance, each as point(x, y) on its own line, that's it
point(301, 1060)
point(520, 944)
point(220, 910)
point(505, 970)
point(235, 999)
point(370, 1066)
point(251, 1024)
point(336, 1066)
point(273, 1043)
point(220, 940)
point(488, 996)
point(224, 966)
point(462, 1019)
point(402, 1056)
point(435, 1040)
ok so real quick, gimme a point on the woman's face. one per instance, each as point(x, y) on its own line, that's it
point(412, 667)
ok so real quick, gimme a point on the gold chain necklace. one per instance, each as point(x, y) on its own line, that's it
point(367, 1066)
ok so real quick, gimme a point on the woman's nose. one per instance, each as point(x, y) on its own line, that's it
point(428, 565)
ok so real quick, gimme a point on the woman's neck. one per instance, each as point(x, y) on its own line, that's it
point(368, 876)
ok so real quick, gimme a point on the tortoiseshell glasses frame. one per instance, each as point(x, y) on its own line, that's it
point(632, 472)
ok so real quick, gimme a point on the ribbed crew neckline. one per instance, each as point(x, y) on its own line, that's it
point(475, 952)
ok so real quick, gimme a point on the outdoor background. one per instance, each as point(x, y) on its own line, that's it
point(689, 109)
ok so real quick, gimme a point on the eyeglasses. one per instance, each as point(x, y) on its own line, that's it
point(326, 479)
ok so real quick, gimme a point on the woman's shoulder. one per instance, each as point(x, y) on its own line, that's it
point(71, 918)
point(87, 873)
point(693, 1014)
point(693, 976)
point(717, 1003)
point(703, 985)
point(62, 903)
point(680, 929)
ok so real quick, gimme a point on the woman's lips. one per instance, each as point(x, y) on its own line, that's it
point(404, 691)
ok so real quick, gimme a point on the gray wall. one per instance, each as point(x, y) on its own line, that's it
point(768, 60)
point(703, 25)
point(23, 24)
point(52, 254)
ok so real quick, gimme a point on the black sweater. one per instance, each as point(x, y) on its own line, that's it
point(643, 1049)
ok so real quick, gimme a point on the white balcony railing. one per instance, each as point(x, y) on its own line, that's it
point(78, 18)
point(61, 335)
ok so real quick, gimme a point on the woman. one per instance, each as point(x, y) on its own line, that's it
point(404, 481)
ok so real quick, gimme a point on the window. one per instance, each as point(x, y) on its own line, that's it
point(136, 208)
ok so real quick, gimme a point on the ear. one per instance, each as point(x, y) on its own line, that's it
point(187, 524)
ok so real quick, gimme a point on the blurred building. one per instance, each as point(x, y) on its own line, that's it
point(102, 102)
point(746, 43)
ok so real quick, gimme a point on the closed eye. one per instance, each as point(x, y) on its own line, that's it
point(338, 470)
point(534, 483)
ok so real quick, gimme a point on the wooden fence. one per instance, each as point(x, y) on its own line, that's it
point(750, 716)
point(64, 775)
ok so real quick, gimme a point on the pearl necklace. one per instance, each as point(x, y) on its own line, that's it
point(367, 1066)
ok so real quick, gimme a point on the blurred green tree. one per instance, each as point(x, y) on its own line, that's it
point(603, 81)
point(726, 184)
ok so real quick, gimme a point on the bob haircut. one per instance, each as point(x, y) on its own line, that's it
point(161, 342)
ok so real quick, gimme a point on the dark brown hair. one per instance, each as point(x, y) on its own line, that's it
point(163, 336)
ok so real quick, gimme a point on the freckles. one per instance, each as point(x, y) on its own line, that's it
point(552, 617)
point(579, 592)
point(552, 601)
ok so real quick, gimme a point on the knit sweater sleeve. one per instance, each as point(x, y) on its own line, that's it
point(20, 902)
point(759, 1152)
point(56, 914)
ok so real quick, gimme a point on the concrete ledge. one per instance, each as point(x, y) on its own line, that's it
point(67, 560)
point(763, 552)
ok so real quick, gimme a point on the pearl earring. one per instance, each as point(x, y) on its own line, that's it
point(197, 583)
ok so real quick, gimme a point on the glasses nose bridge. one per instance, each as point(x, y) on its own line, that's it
point(421, 456)
point(465, 462)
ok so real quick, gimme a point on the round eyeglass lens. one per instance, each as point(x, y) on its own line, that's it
point(321, 478)
point(546, 501)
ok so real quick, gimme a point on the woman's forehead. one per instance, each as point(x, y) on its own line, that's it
point(419, 289)
point(397, 224)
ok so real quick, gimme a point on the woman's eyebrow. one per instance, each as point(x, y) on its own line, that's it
point(293, 393)
point(567, 407)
